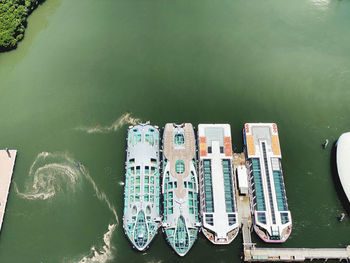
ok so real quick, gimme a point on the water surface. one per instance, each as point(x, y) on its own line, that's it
point(86, 69)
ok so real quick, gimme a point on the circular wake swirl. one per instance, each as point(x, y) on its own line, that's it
point(52, 173)
point(49, 174)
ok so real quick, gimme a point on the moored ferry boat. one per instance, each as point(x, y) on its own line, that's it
point(272, 218)
point(180, 187)
point(217, 190)
point(141, 217)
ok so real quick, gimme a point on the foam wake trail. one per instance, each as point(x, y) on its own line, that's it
point(51, 173)
point(105, 253)
point(126, 118)
point(100, 195)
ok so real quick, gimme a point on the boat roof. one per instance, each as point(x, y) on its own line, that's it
point(180, 187)
point(258, 131)
point(343, 164)
point(269, 197)
point(141, 188)
point(219, 210)
point(217, 133)
point(242, 176)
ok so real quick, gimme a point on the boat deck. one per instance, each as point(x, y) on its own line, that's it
point(273, 222)
point(218, 205)
point(187, 153)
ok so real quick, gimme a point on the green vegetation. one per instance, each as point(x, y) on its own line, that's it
point(13, 20)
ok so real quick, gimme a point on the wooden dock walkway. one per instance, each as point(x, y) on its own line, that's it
point(7, 162)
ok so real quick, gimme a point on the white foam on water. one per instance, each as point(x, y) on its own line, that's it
point(321, 4)
point(51, 173)
point(126, 118)
point(100, 195)
point(103, 254)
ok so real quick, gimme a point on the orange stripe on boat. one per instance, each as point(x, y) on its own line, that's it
point(250, 144)
point(202, 139)
point(275, 145)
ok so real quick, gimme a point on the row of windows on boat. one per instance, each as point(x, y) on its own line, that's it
point(262, 217)
point(147, 179)
point(153, 198)
point(146, 198)
point(267, 173)
point(231, 219)
point(207, 186)
point(179, 165)
point(150, 187)
point(168, 204)
point(173, 184)
point(146, 170)
point(258, 191)
point(210, 149)
point(147, 189)
point(135, 137)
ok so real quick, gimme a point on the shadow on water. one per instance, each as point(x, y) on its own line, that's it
point(336, 181)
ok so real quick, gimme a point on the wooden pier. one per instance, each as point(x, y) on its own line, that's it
point(7, 162)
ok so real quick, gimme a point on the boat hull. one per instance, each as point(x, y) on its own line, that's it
point(343, 162)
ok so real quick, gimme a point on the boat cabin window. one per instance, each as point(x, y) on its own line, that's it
point(137, 169)
point(262, 218)
point(284, 218)
point(209, 149)
point(179, 139)
point(180, 166)
point(231, 219)
point(209, 219)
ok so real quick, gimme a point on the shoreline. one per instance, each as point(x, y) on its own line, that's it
point(13, 21)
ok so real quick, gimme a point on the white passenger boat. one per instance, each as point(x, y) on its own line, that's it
point(272, 218)
point(141, 219)
point(217, 189)
point(180, 187)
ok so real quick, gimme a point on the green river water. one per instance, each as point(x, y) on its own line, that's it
point(87, 69)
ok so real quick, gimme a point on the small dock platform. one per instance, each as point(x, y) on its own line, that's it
point(7, 162)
